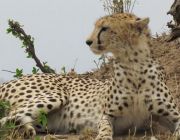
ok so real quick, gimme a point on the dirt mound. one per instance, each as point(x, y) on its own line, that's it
point(168, 55)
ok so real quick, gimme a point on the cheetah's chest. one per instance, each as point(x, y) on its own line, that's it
point(136, 116)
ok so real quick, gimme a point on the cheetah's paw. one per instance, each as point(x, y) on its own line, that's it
point(30, 131)
point(3, 121)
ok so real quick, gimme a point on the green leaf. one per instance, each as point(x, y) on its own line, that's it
point(35, 70)
point(19, 73)
point(37, 138)
point(42, 118)
point(29, 55)
point(9, 30)
point(4, 108)
point(63, 69)
point(10, 125)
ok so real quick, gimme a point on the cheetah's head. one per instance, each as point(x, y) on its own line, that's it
point(117, 33)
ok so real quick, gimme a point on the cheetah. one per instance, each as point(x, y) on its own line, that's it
point(136, 92)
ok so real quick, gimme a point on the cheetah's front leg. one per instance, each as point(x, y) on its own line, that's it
point(105, 127)
point(168, 114)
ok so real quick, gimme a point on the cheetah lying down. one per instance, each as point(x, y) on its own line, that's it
point(135, 92)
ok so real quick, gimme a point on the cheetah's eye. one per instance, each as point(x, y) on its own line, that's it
point(138, 19)
point(104, 28)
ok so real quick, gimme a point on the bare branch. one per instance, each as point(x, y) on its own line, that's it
point(9, 71)
point(28, 43)
point(175, 27)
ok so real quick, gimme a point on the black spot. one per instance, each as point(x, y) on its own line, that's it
point(40, 105)
point(22, 88)
point(78, 115)
point(21, 93)
point(29, 96)
point(6, 94)
point(33, 83)
point(42, 87)
point(125, 73)
point(138, 19)
point(30, 106)
point(160, 103)
point(175, 113)
point(51, 88)
point(135, 60)
point(129, 80)
point(160, 111)
point(75, 100)
point(145, 71)
point(168, 106)
point(115, 91)
point(26, 83)
point(10, 97)
point(152, 84)
point(52, 100)
point(31, 79)
point(3, 89)
point(166, 95)
point(9, 85)
point(29, 91)
point(125, 104)
point(120, 108)
point(18, 84)
point(118, 74)
point(143, 81)
point(120, 92)
point(64, 116)
point(21, 111)
point(28, 114)
point(135, 53)
point(150, 107)
point(71, 114)
point(33, 87)
point(13, 90)
point(49, 106)
point(38, 81)
point(20, 100)
point(175, 120)
point(165, 114)
point(151, 77)
point(77, 106)
point(113, 83)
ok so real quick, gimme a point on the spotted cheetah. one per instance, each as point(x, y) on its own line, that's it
point(135, 93)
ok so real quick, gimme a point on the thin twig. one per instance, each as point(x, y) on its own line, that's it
point(133, 5)
point(9, 71)
point(75, 63)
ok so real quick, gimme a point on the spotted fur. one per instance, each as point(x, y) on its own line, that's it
point(135, 93)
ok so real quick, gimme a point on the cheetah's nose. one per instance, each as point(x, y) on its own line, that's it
point(89, 42)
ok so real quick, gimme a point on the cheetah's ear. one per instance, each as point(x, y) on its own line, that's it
point(141, 23)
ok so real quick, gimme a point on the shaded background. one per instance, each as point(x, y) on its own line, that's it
point(60, 28)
